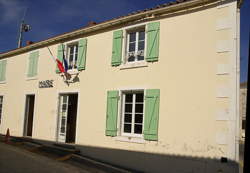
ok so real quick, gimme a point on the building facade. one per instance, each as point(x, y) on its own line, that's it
point(153, 91)
point(243, 104)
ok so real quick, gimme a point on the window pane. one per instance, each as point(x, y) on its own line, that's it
point(141, 45)
point(71, 57)
point(127, 128)
point(142, 35)
point(139, 108)
point(140, 58)
point(128, 118)
point(76, 48)
point(64, 107)
point(64, 99)
point(128, 108)
point(131, 47)
point(129, 98)
point(131, 59)
point(243, 124)
point(71, 50)
point(138, 118)
point(132, 37)
point(138, 129)
point(63, 123)
point(139, 97)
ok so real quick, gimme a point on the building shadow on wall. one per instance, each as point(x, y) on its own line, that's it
point(135, 161)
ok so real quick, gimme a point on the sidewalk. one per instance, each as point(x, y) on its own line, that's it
point(54, 153)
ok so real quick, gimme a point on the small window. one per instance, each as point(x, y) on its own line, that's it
point(132, 114)
point(72, 54)
point(135, 45)
point(1, 105)
point(243, 124)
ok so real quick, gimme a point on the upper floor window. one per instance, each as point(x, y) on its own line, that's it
point(72, 54)
point(135, 45)
point(2, 70)
point(33, 64)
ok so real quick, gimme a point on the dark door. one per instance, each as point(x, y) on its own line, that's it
point(71, 118)
point(29, 113)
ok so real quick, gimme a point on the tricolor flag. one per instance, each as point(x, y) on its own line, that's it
point(62, 66)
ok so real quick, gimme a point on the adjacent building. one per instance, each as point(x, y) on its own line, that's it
point(243, 104)
point(154, 91)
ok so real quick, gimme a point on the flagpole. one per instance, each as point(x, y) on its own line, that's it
point(51, 54)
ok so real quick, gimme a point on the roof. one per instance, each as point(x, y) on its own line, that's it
point(145, 13)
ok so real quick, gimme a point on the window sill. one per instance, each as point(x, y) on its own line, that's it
point(130, 139)
point(2, 82)
point(134, 65)
point(32, 78)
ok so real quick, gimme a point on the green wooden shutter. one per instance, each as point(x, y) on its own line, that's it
point(30, 67)
point(152, 100)
point(3, 69)
point(117, 48)
point(153, 36)
point(112, 111)
point(59, 55)
point(35, 63)
point(82, 49)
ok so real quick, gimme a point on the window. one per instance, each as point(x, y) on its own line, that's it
point(33, 64)
point(243, 124)
point(139, 114)
point(1, 105)
point(135, 45)
point(2, 70)
point(72, 54)
point(132, 114)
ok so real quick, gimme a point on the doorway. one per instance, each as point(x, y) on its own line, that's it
point(29, 114)
point(67, 117)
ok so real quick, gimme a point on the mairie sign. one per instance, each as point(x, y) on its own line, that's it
point(46, 84)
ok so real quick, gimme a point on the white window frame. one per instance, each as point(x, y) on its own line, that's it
point(1, 117)
point(67, 54)
point(122, 114)
point(135, 64)
point(136, 30)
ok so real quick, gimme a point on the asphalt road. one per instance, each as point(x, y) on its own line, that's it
point(16, 160)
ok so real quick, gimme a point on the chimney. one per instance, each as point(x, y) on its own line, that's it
point(91, 23)
point(28, 42)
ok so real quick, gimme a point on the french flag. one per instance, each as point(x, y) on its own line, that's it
point(60, 66)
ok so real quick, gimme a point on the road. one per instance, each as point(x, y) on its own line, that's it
point(16, 160)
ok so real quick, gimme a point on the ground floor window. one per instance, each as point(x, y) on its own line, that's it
point(1, 106)
point(132, 113)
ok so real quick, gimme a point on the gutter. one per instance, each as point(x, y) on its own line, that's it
point(141, 15)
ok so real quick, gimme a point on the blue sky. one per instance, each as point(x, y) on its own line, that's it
point(53, 17)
